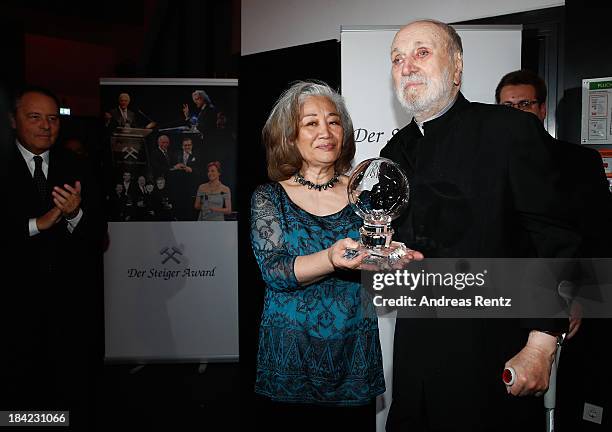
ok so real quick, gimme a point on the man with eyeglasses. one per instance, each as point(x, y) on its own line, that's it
point(524, 90)
point(582, 167)
point(589, 197)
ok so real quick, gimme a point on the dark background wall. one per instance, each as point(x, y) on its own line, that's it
point(68, 46)
point(588, 54)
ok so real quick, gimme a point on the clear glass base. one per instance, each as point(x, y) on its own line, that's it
point(383, 258)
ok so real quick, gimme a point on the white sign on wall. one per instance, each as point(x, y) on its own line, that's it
point(596, 111)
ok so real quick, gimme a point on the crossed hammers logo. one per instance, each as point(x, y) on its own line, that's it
point(130, 152)
point(170, 252)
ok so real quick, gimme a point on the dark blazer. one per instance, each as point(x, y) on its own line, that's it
point(45, 315)
point(158, 163)
point(63, 168)
point(483, 184)
point(130, 191)
point(193, 162)
point(116, 210)
point(207, 120)
point(162, 205)
point(118, 120)
point(588, 195)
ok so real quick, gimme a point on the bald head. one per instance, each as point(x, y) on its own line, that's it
point(427, 63)
point(452, 39)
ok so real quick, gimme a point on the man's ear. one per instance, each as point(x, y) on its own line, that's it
point(12, 121)
point(458, 69)
point(542, 111)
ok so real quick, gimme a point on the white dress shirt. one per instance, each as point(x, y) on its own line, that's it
point(28, 156)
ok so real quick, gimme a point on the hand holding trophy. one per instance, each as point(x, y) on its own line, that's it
point(378, 192)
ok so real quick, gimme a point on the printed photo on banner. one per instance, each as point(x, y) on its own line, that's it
point(172, 149)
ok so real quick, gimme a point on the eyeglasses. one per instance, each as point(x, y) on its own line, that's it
point(522, 105)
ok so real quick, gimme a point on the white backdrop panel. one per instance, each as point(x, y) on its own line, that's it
point(171, 305)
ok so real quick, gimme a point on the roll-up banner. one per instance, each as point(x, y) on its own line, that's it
point(170, 269)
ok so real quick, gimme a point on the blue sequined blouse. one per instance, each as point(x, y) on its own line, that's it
point(317, 343)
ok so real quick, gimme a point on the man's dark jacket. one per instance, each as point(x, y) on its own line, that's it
point(482, 185)
point(49, 315)
point(587, 194)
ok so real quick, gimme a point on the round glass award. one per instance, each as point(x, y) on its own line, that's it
point(378, 192)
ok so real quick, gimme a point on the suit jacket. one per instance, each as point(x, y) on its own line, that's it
point(588, 195)
point(162, 205)
point(159, 164)
point(193, 162)
point(118, 120)
point(207, 120)
point(46, 315)
point(130, 191)
point(116, 210)
point(483, 184)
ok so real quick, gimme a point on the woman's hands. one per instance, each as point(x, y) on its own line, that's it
point(338, 259)
point(313, 267)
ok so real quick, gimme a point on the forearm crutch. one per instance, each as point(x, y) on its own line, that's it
point(509, 376)
point(550, 397)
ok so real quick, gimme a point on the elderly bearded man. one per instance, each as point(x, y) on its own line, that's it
point(483, 186)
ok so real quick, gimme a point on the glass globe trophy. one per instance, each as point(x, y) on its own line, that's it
point(378, 192)
point(193, 121)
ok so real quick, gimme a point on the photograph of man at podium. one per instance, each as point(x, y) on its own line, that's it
point(169, 142)
point(123, 117)
point(204, 116)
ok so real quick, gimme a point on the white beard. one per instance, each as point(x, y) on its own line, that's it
point(435, 95)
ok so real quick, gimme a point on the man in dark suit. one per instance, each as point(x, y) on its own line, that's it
point(122, 116)
point(184, 179)
point(587, 193)
point(185, 160)
point(159, 160)
point(205, 115)
point(129, 187)
point(582, 167)
point(482, 186)
point(47, 331)
point(116, 201)
point(161, 202)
